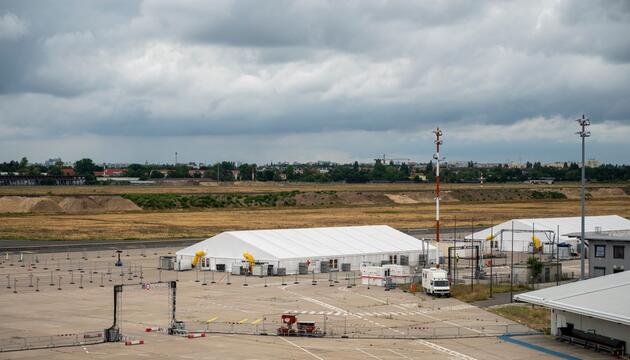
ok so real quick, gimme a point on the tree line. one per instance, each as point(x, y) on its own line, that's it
point(350, 173)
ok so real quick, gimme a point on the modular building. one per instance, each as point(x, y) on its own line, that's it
point(307, 250)
point(607, 251)
point(593, 313)
point(521, 235)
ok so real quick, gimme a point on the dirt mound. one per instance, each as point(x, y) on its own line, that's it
point(79, 204)
point(361, 198)
point(61, 204)
point(571, 193)
point(401, 199)
point(116, 203)
point(21, 204)
point(608, 193)
point(316, 199)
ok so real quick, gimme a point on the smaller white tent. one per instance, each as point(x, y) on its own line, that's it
point(287, 248)
point(548, 230)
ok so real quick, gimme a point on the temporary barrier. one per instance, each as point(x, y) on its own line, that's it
point(197, 335)
point(134, 342)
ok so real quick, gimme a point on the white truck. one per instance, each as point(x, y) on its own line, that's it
point(435, 282)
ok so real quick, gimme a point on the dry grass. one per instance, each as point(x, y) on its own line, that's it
point(481, 291)
point(178, 224)
point(248, 187)
point(534, 317)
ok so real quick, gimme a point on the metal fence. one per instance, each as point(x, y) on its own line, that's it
point(53, 341)
point(375, 332)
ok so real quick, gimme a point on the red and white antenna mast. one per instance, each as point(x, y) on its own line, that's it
point(438, 142)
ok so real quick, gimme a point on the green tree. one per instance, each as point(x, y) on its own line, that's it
point(85, 167)
point(536, 267)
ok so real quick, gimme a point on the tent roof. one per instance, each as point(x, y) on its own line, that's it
point(604, 297)
point(567, 225)
point(314, 242)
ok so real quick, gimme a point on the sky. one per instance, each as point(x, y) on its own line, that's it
point(262, 81)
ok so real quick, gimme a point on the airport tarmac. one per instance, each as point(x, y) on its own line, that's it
point(379, 324)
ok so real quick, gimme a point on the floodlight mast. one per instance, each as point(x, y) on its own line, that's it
point(436, 156)
point(584, 123)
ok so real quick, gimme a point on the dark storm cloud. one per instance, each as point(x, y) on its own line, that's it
point(160, 68)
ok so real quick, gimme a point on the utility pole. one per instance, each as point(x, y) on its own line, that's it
point(512, 267)
point(438, 142)
point(175, 157)
point(584, 122)
point(491, 257)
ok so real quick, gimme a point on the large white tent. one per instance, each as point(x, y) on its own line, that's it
point(549, 230)
point(287, 248)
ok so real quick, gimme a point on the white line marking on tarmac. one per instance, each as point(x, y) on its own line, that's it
point(399, 354)
point(422, 342)
point(368, 354)
point(301, 348)
point(444, 350)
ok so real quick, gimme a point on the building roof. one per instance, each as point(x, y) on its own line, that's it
point(308, 242)
point(613, 235)
point(603, 297)
point(546, 227)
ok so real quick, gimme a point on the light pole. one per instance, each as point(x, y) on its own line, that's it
point(438, 142)
point(584, 122)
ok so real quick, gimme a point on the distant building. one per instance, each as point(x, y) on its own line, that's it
point(27, 180)
point(68, 172)
point(516, 165)
point(114, 172)
point(592, 163)
point(51, 162)
point(556, 164)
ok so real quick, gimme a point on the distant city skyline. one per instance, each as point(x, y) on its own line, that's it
point(252, 81)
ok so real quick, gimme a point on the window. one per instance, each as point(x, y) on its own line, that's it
point(600, 251)
point(332, 263)
point(393, 259)
point(618, 252)
point(599, 271)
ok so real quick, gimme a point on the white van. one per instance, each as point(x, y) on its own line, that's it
point(435, 282)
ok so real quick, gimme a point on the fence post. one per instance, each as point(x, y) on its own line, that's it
point(37, 284)
point(102, 276)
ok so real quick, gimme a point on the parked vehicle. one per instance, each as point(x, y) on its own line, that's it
point(435, 282)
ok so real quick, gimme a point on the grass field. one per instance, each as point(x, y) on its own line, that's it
point(257, 187)
point(194, 223)
point(535, 317)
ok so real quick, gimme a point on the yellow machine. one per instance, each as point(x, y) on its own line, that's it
point(489, 237)
point(537, 242)
point(198, 256)
point(250, 259)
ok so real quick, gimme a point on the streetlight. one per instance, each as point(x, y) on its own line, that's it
point(584, 122)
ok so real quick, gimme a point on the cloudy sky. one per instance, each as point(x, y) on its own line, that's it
point(129, 81)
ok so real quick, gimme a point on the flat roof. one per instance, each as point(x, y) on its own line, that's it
point(613, 235)
point(605, 297)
